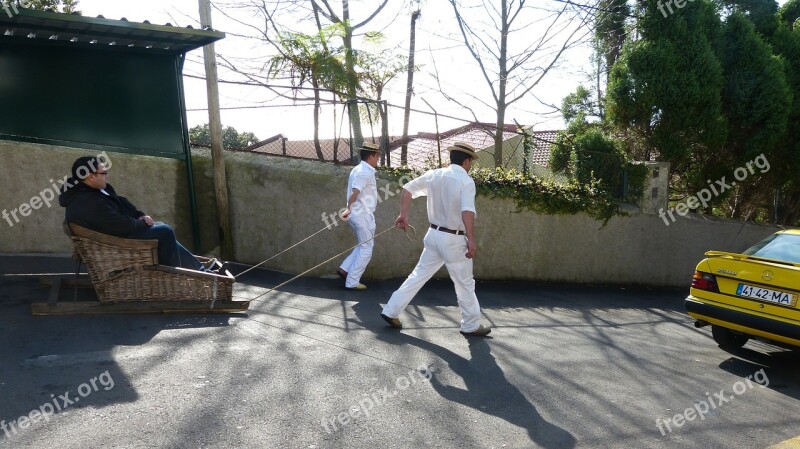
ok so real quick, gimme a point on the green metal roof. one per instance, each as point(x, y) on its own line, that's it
point(99, 31)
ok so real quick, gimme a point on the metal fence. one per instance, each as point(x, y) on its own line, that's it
point(352, 123)
point(338, 141)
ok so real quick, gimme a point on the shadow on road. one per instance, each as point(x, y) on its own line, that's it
point(782, 367)
point(487, 389)
point(52, 365)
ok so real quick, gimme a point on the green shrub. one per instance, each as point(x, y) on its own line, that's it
point(636, 176)
point(537, 195)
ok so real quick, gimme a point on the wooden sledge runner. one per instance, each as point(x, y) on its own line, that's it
point(137, 307)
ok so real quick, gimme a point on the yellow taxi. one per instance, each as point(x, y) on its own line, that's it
point(750, 295)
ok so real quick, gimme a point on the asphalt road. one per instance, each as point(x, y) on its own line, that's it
point(314, 366)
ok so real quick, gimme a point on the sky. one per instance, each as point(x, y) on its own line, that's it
point(458, 73)
point(459, 76)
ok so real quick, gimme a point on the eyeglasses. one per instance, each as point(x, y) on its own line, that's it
point(101, 173)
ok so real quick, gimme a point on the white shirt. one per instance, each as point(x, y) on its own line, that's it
point(450, 191)
point(362, 177)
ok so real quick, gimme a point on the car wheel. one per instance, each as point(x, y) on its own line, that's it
point(727, 339)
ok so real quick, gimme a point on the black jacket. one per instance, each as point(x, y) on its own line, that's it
point(92, 209)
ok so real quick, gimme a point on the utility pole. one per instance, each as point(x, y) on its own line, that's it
point(410, 86)
point(438, 140)
point(215, 128)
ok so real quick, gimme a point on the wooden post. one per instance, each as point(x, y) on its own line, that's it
point(384, 107)
point(410, 86)
point(215, 128)
point(438, 140)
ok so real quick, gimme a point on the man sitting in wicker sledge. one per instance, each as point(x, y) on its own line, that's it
point(91, 202)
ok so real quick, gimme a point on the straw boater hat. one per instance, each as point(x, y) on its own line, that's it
point(465, 148)
point(375, 148)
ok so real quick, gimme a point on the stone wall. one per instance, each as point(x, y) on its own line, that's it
point(276, 202)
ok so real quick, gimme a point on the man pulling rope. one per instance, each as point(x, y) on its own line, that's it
point(450, 241)
point(362, 198)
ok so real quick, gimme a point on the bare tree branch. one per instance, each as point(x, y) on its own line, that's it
point(473, 52)
point(447, 97)
point(371, 16)
point(544, 71)
point(510, 73)
point(328, 12)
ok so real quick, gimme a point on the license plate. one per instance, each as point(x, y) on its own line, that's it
point(765, 294)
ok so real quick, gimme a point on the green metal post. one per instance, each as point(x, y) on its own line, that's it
point(187, 148)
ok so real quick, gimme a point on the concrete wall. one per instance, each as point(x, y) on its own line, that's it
point(276, 202)
point(158, 186)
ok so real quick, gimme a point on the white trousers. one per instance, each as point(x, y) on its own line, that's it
point(364, 228)
point(448, 249)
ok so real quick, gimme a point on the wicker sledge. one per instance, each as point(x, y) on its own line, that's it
point(127, 270)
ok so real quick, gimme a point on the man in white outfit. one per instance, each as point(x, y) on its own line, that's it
point(362, 197)
point(449, 241)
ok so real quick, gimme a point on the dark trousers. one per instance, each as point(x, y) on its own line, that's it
point(170, 251)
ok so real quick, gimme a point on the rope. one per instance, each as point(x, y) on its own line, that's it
point(287, 249)
point(413, 229)
point(330, 259)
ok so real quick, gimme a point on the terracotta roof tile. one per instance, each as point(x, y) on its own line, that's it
point(423, 149)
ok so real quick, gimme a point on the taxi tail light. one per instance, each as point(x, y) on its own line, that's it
point(704, 281)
